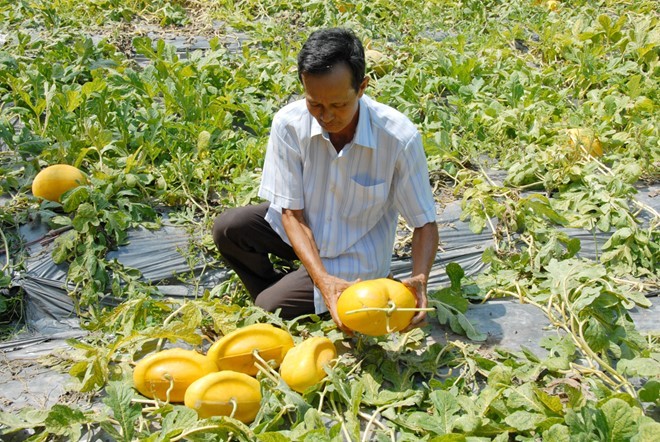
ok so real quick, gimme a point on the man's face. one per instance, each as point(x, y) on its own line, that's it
point(332, 100)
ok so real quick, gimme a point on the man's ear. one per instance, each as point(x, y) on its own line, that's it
point(363, 86)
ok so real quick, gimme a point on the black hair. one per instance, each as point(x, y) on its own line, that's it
point(326, 48)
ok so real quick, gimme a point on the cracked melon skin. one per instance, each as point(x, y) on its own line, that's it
point(376, 293)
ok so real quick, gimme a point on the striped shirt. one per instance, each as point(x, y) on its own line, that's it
point(351, 200)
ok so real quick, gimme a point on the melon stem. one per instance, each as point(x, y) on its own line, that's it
point(391, 308)
point(234, 405)
point(265, 368)
point(169, 378)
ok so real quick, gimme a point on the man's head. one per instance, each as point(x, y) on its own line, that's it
point(326, 48)
point(331, 67)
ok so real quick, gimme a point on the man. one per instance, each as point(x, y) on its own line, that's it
point(338, 171)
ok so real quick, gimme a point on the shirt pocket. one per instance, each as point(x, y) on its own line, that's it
point(364, 202)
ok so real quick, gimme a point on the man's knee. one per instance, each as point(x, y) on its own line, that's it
point(222, 226)
point(266, 302)
point(293, 294)
point(229, 225)
point(238, 224)
point(288, 309)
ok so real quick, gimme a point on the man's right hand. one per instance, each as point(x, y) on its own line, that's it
point(331, 288)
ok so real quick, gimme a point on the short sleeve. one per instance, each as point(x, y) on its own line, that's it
point(282, 177)
point(413, 194)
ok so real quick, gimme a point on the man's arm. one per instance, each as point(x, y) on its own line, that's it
point(303, 243)
point(424, 247)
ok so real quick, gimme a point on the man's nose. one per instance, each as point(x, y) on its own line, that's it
point(326, 116)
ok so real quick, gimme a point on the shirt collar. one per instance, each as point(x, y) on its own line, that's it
point(363, 134)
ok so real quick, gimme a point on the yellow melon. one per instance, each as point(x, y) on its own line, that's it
point(53, 181)
point(584, 141)
point(303, 366)
point(356, 305)
point(378, 62)
point(234, 351)
point(225, 393)
point(170, 370)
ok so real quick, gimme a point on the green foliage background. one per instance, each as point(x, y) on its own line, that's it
point(489, 83)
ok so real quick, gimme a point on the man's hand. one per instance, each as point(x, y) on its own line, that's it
point(418, 285)
point(424, 247)
point(331, 288)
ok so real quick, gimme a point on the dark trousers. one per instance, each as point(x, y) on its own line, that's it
point(245, 240)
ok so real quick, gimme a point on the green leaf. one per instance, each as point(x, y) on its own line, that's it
point(500, 376)
point(63, 221)
point(422, 421)
point(91, 87)
point(573, 246)
point(467, 424)
point(86, 216)
point(93, 373)
point(74, 198)
point(65, 421)
point(23, 419)
point(524, 397)
point(620, 420)
point(446, 407)
point(442, 312)
point(586, 296)
point(556, 363)
point(637, 298)
point(371, 389)
point(452, 300)
point(179, 420)
point(648, 432)
point(469, 329)
point(650, 392)
point(639, 367)
point(73, 100)
point(596, 335)
point(357, 392)
point(557, 433)
point(449, 438)
point(546, 210)
point(477, 223)
point(552, 403)
point(455, 273)
point(272, 437)
point(63, 245)
point(125, 412)
point(524, 420)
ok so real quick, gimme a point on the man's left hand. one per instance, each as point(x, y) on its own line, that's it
point(418, 285)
